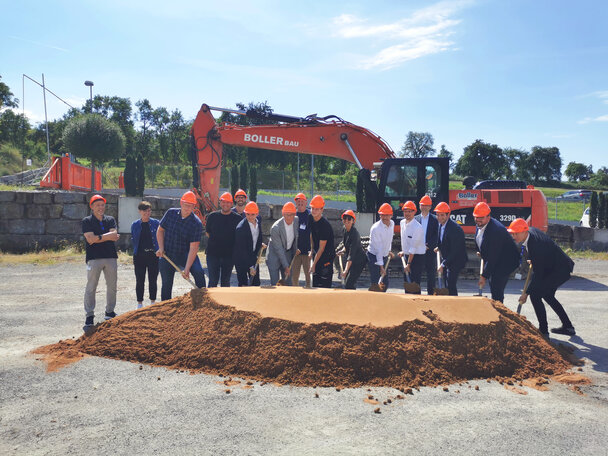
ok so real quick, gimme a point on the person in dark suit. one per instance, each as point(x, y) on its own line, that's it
point(551, 268)
point(452, 247)
point(431, 229)
point(353, 251)
point(497, 249)
point(247, 245)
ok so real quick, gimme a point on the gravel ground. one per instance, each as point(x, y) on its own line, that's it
point(102, 406)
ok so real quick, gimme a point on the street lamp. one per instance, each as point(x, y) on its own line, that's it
point(90, 85)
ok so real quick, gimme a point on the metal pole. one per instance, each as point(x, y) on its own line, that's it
point(46, 121)
point(312, 175)
point(298, 173)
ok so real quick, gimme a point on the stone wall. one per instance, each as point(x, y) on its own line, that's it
point(46, 219)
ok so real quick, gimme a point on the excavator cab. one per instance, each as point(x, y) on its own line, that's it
point(403, 179)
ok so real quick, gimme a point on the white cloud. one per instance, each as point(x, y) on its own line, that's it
point(602, 95)
point(587, 120)
point(423, 33)
point(37, 43)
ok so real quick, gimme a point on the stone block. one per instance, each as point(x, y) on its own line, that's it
point(111, 198)
point(337, 226)
point(580, 234)
point(11, 211)
point(23, 197)
point(266, 225)
point(276, 211)
point(37, 211)
point(265, 211)
point(25, 226)
point(3, 226)
point(7, 196)
point(54, 210)
point(62, 226)
point(112, 211)
point(601, 235)
point(70, 198)
point(76, 211)
point(332, 214)
point(167, 203)
point(42, 198)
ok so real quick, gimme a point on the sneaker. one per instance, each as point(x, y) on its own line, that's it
point(152, 302)
point(90, 321)
point(110, 315)
point(567, 331)
point(139, 304)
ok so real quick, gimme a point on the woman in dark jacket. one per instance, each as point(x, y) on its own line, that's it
point(353, 251)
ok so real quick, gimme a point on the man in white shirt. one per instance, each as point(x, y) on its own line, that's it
point(413, 245)
point(283, 244)
point(380, 242)
point(430, 226)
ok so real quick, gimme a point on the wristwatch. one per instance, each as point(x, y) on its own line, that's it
point(99, 236)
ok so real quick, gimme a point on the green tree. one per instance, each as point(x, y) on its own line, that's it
point(94, 137)
point(7, 100)
point(593, 210)
point(418, 145)
point(243, 175)
point(444, 153)
point(140, 175)
point(602, 215)
point(517, 164)
point(234, 179)
point(160, 122)
point(253, 183)
point(600, 178)
point(130, 176)
point(482, 161)
point(545, 164)
point(13, 127)
point(576, 172)
point(145, 115)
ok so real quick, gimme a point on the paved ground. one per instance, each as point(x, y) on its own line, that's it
point(101, 406)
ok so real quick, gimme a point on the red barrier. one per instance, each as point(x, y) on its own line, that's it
point(66, 175)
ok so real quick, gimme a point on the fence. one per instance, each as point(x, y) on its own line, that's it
point(66, 175)
point(562, 209)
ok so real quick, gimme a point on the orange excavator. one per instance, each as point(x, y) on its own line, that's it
point(385, 177)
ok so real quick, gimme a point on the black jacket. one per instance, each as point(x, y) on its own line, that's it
point(551, 267)
point(432, 231)
point(243, 254)
point(498, 249)
point(452, 247)
point(352, 246)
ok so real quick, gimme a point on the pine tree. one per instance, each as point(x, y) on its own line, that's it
point(601, 214)
point(140, 176)
point(129, 176)
point(593, 210)
point(253, 184)
point(234, 179)
point(243, 175)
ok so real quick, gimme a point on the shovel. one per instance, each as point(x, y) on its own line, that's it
point(257, 264)
point(440, 290)
point(283, 282)
point(480, 272)
point(525, 290)
point(341, 270)
point(380, 286)
point(196, 294)
point(409, 286)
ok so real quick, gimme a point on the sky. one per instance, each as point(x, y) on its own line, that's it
point(515, 73)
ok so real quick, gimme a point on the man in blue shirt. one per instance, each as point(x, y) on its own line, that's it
point(179, 236)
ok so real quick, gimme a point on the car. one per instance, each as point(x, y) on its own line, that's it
point(585, 219)
point(576, 195)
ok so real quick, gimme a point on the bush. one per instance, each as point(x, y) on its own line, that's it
point(593, 209)
point(10, 160)
point(602, 215)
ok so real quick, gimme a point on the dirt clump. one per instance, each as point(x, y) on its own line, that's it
point(218, 339)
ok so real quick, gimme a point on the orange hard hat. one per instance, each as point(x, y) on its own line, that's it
point(426, 200)
point(518, 225)
point(385, 209)
point(95, 198)
point(189, 197)
point(317, 202)
point(481, 210)
point(251, 208)
point(226, 197)
point(443, 207)
point(240, 192)
point(409, 205)
point(350, 213)
point(300, 196)
point(289, 208)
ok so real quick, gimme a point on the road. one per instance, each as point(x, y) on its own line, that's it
point(101, 406)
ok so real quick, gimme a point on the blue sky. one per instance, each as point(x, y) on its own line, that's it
point(514, 73)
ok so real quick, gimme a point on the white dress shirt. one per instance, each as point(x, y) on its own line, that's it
point(380, 240)
point(424, 221)
point(290, 234)
point(255, 232)
point(412, 238)
point(479, 236)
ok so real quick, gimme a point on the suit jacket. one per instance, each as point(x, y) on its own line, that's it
point(243, 254)
point(278, 255)
point(551, 267)
point(452, 247)
point(432, 231)
point(498, 249)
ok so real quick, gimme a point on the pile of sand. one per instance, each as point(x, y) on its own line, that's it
point(221, 339)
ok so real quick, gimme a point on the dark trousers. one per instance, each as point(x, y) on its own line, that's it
point(451, 278)
point(323, 274)
point(541, 314)
point(219, 267)
point(374, 269)
point(243, 276)
point(145, 261)
point(430, 266)
point(167, 272)
point(356, 268)
point(416, 267)
point(497, 286)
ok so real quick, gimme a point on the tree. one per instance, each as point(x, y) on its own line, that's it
point(517, 160)
point(13, 128)
point(95, 137)
point(140, 175)
point(7, 100)
point(234, 179)
point(444, 153)
point(593, 210)
point(602, 215)
point(243, 175)
point(545, 163)
point(253, 183)
point(600, 178)
point(130, 176)
point(145, 117)
point(482, 161)
point(418, 145)
point(576, 172)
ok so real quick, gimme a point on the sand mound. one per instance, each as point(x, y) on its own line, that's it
point(220, 339)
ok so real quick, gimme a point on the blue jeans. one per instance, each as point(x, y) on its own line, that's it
point(219, 266)
point(374, 269)
point(167, 272)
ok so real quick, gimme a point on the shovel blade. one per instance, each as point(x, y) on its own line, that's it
point(377, 287)
point(411, 287)
point(196, 295)
point(441, 292)
point(281, 283)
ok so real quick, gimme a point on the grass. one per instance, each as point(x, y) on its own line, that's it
point(332, 196)
point(70, 254)
point(16, 188)
point(585, 254)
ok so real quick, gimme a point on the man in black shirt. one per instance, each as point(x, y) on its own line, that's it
point(220, 229)
point(322, 241)
point(100, 234)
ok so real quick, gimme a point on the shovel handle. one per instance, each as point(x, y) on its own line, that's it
point(388, 260)
point(178, 269)
point(407, 276)
point(525, 290)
